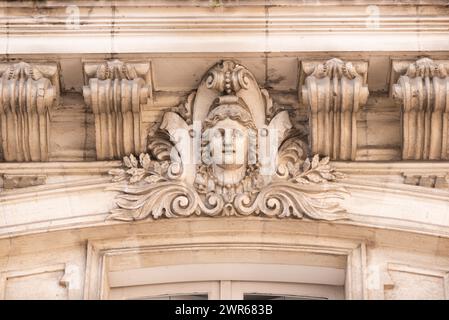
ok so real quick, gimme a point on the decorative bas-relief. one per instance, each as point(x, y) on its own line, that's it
point(334, 92)
point(227, 151)
point(422, 91)
point(27, 93)
point(116, 91)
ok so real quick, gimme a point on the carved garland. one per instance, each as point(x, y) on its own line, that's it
point(171, 181)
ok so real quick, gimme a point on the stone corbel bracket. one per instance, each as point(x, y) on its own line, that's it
point(28, 91)
point(422, 89)
point(116, 91)
point(333, 92)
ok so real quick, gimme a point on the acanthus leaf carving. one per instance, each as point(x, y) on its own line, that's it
point(153, 193)
point(212, 157)
point(22, 70)
point(426, 67)
point(116, 69)
point(335, 69)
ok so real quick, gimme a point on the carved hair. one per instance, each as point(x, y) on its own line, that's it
point(233, 112)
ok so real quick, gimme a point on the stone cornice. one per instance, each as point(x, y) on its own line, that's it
point(222, 3)
point(168, 27)
point(392, 168)
point(58, 168)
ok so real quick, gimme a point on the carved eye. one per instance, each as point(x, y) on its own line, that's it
point(219, 133)
point(264, 132)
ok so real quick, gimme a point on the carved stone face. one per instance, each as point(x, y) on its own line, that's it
point(229, 144)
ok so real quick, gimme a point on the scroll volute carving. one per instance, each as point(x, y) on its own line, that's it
point(333, 92)
point(422, 90)
point(228, 150)
point(116, 92)
point(27, 93)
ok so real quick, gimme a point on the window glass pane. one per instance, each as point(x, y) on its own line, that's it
point(178, 297)
point(255, 296)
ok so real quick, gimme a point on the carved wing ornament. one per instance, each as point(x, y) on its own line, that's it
point(226, 152)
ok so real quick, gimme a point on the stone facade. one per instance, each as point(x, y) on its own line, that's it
point(221, 148)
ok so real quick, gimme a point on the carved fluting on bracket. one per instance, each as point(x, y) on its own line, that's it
point(423, 92)
point(333, 92)
point(27, 93)
point(116, 92)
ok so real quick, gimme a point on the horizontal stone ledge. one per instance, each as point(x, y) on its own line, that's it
point(207, 3)
point(373, 204)
point(59, 168)
point(260, 42)
point(392, 168)
point(348, 167)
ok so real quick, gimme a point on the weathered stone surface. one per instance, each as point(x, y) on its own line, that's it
point(28, 92)
point(115, 92)
point(422, 91)
point(333, 92)
point(87, 82)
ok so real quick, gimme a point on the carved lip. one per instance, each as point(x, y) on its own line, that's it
point(230, 166)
